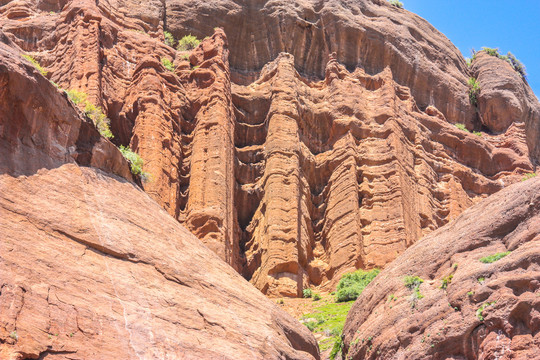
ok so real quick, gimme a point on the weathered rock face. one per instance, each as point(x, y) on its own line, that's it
point(92, 268)
point(487, 311)
point(506, 100)
point(290, 179)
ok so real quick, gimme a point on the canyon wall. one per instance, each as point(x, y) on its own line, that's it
point(300, 140)
point(467, 306)
point(91, 267)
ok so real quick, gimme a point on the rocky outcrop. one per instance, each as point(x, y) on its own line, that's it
point(91, 267)
point(505, 99)
point(485, 310)
point(293, 167)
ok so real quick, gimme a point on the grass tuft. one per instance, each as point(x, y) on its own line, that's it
point(396, 3)
point(36, 64)
point(95, 113)
point(169, 38)
point(167, 64)
point(188, 43)
point(135, 163)
point(495, 257)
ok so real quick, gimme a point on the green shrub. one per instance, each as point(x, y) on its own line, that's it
point(14, 335)
point(169, 38)
point(474, 91)
point(135, 163)
point(492, 258)
point(517, 65)
point(396, 3)
point(316, 297)
point(352, 284)
point(412, 282)
point(528, 176)
point(188, 43)
point(311, 325)
point(461, 127)
point(76, 96)
point(307, 293)
point(34, 62)
point(447, 280)
point(336, 349)
point(477, 133)
point(491, 51)
point(167, 64)
point(95, 113)
point(479, 312)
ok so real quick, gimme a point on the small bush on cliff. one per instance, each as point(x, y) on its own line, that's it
point(447, 280)
point(95, 113)
point(34, 62)
point(480, 311)
point(351, 285)
point(396, 3)
point(316, 297)
point(167, 64)
point(307, 293)
point(517, 65)
point(461, 127)
point(188, 43)
point(474, 91)
point(135, 163)
point(495, 257)
point(169, 38)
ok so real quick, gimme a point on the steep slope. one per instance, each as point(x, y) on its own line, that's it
point(487, 309)
point(91, 267)
point(291, 179)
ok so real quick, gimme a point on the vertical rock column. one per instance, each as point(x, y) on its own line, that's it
point(210, 207)
point(281, 240)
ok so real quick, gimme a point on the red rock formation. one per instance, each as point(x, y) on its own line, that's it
point(291, 180)
point(92, 268)
point(487, 311)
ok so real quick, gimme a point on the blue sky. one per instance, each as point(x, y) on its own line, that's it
point(509, 25)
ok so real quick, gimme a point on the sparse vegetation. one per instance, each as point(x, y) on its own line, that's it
point(14, 335)
point(528, 176)
point(352, 284)
point(95, 113)
point(135, 162)
point(336, 349)
point(316, 297)
point(396, 3)
point(510, 58)
point(413, 283)
point(477, 133)
point(470, 293)
point(480, 311)
point(447, 280)
point(169, 38)
point(36, 64)
point(461, 127)
point(474, 91)
point(167, 64)
point(481, 279)
point(495, 257)
point(307, 293)
point(188, 43)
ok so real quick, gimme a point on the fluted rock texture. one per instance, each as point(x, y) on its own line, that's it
point(92, 268)
point(486, 311)
point(302, 140)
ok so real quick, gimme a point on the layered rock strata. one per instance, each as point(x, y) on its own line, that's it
point(465, 308)
point(290, 179)
point(92, 268)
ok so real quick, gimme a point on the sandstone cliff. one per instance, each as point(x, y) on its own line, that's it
point(91, 267)
point(294, 168)
point(467, 307)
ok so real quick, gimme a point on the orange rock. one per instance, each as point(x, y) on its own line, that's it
point(291, 178)
point(92, 268)
point(487, 311)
